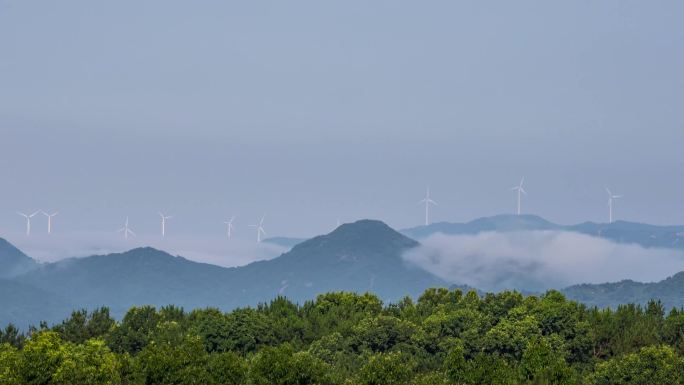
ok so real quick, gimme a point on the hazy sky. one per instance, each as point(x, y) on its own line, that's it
point(310, 111)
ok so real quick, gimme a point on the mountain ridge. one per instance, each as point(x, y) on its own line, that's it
point(668, 236)
point(363, 256)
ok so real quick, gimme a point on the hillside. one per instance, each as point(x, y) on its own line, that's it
point(362, 256)
point(13, 262)
point(670, 291)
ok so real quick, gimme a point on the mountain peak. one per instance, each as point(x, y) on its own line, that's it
point(365, 235)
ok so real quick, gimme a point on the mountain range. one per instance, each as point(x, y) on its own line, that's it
point(620, 231)
point(361, 256)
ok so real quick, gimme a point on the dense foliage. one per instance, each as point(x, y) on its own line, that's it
point(446, 337)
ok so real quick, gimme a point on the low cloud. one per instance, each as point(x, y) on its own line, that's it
point(540, 260)
point(215, 250)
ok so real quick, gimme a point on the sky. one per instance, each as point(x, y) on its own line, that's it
point(308, 112)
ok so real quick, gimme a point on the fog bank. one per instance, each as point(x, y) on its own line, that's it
point(539, 260)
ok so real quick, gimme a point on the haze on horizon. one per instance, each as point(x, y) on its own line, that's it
point(309, 112)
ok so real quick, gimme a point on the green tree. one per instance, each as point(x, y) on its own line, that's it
point(135, 330)
point(166, 364)
point(12, 336)
point(541, 363)
point(393, 368)
point(282, 366)
point(382, 333)
point(90, 363)
point(42, 355)
point(9, 365)
point(655, 365)
point(510, 337)
point(227, 369)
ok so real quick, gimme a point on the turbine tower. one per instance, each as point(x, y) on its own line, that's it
point(230, 226)
point(519, 188)
point(259, 229)
point(126, 230)
point(428, 201)
point(611, 196)
point(49, 218)
point(163, 223)
point(28, 221)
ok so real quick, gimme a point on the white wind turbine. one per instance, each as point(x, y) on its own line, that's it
point(611, 196)
point(519, 188)
point(259, 229)
point(229, 225)
point(28, 221)
point(49, 218)
point(428, 201)
point(163, 223)
point(126, 230)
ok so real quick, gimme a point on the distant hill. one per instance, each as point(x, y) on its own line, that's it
point(13, 262)
point(619, 231)
point(25, 305)
point(362, 256)
point(670, 291)
point(137, 277)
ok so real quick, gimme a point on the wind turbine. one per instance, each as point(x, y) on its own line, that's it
point(28, 221)
point(428, 201)
point(259, 228)
point(49, 218)
point(610, 204)
point(519, 188)
point(163, 223)
point(230, 226)
point(126, 230)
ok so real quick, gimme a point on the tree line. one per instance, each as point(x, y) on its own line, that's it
point(341, 338)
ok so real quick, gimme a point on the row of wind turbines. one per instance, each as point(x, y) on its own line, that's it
point(520, 191)
point(126, 229)
point(259, 227)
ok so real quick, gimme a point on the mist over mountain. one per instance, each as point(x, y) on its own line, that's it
point(362, 256)
point(539, 260)
point(619, 231)
point(505, 252)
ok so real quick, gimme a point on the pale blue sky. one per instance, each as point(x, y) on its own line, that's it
point(309, 111)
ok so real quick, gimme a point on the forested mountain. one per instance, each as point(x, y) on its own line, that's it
point(13, 262)
point(359, 257)
point(619, 231)
point(362, 256)
point(670, 291)
point(445, 337)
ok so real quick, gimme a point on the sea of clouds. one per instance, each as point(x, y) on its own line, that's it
point(539, 260)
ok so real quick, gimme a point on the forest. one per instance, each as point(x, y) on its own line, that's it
point(343, 338)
